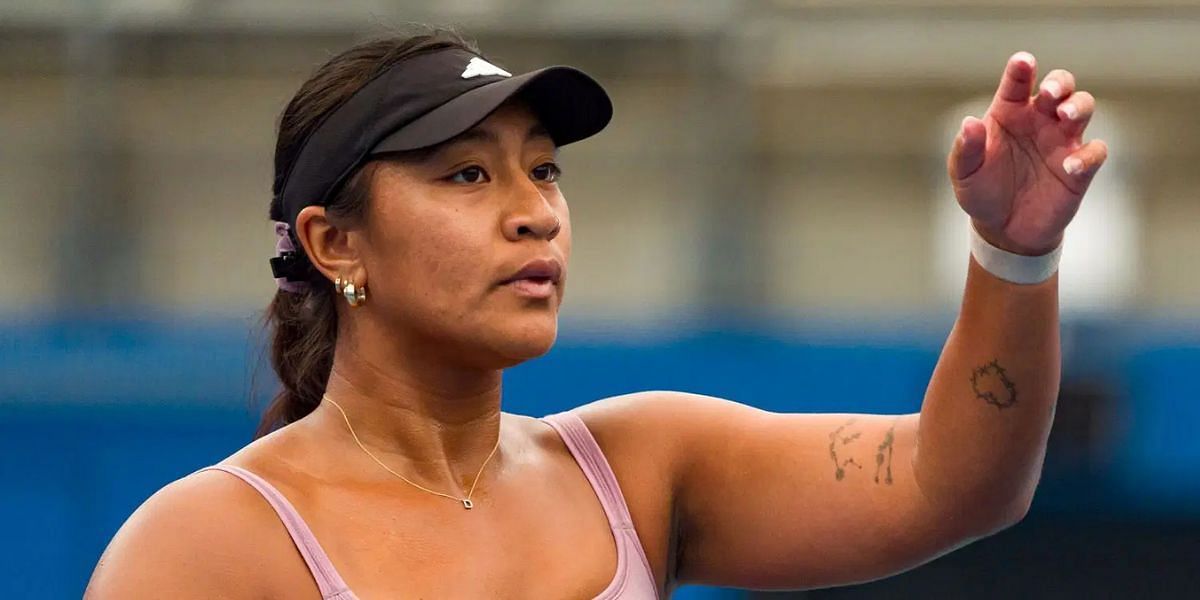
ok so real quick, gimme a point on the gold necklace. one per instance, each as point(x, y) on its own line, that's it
point(466, 502)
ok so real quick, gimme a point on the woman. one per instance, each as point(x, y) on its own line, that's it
point(418, 171)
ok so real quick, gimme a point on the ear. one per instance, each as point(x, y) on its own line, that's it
point(332, 251)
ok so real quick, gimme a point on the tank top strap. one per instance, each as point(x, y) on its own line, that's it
point(329, 582)
point(634, 578)
point(591, 460)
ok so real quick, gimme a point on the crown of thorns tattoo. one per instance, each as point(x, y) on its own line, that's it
point(994, 368)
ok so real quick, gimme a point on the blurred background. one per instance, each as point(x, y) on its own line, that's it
point(769, 203)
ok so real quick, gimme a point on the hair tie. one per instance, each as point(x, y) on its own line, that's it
point(286, 264)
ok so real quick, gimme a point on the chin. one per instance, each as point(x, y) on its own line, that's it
point(528, 341)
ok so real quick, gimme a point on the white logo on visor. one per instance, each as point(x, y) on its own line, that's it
point(478, 67)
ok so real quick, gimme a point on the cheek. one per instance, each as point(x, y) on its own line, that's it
point(564, 237)
point(448, 261)
point(564, 241)
point(435, 266)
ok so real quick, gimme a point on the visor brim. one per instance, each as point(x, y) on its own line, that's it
point(570, 105)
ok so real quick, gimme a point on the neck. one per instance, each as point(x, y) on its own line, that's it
point(432, 422)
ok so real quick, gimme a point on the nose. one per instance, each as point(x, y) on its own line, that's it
point(531, 215)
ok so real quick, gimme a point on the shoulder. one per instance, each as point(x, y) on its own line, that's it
point(662, 424)
point(208, 534)
point(650, 439)
point(661, 440)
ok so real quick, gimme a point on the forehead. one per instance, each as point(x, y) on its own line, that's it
point(514, 112)
point(514, 120)
point(513, 123)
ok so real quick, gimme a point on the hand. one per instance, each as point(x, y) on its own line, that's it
point(1022, 170)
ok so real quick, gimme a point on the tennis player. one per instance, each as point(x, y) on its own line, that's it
point(423, 245)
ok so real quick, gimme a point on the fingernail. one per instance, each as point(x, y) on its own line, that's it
point(1053, 88)
point(1072, 165)
point(1024, 57)
point(1069, 111)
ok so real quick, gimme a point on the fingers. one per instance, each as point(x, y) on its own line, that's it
point(967, 155)
point(1076, 112)
point(1083, 163)
point(1056, 86)
point(1017, 81)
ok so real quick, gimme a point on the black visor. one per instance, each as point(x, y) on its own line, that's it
point(426, 100)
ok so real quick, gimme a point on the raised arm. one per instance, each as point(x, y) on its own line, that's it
point(765, 500)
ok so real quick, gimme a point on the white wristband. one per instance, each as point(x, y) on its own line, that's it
point(1015, 268)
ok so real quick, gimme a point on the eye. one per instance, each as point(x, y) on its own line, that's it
point(469, 175)
point(547, 172)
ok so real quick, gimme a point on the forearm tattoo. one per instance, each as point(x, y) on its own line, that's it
point(843, 448)
point(991, 384)
point(883, 456)
point(837, 442)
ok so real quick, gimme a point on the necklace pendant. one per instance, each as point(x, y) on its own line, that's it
point(467, 504)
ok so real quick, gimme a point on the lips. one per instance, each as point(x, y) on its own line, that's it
point(538, 270)
point(537, 279)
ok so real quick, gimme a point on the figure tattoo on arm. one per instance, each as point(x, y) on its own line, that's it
point(991, 384)
point(884, 455)
point(837, 442)
point(842, 452)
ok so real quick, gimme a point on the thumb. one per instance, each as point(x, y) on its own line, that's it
point(967, 154)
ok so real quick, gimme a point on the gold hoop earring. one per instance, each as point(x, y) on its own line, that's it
point(355, 296)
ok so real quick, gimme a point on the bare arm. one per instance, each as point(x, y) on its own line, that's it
point(766, 500)
point(799, 501)
point(990, 403)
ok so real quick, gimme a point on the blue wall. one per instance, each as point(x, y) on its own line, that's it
point(96, 415)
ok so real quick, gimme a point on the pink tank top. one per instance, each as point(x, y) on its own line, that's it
point(633, 580)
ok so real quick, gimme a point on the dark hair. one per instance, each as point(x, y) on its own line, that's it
point(303, 326)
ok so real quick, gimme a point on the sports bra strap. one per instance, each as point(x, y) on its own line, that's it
point(591, 460)
point(329, 582)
